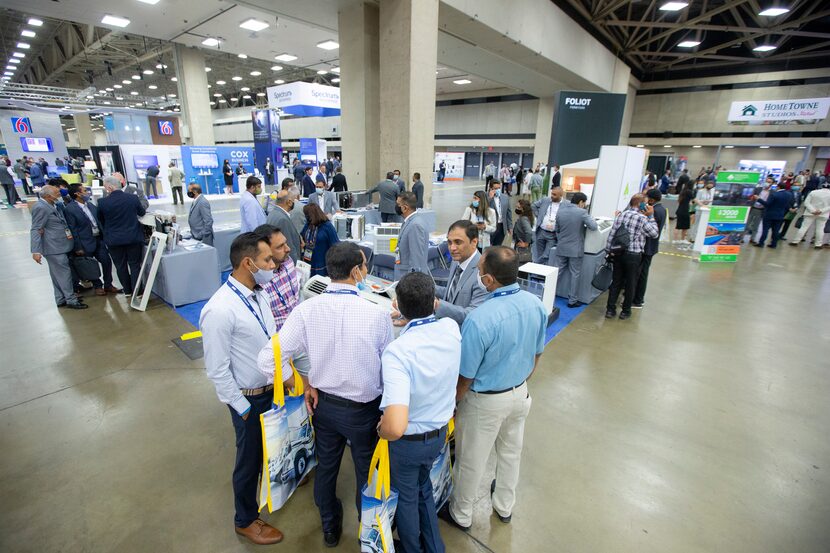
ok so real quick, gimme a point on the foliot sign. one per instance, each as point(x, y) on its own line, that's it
point(577, 103)
point(778, 112)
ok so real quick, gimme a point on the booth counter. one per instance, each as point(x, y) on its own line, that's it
point(182, 278)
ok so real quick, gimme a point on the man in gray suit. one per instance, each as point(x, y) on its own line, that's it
point(463, 292)
point(418, 189)
point(396, 177)
point(51, 238)
point(201, 217)
point(504, 215)
point(571, 222)
point(413, 242)
point(280, 217)
point(545, 211)
point(325, 199)
point(388, 191)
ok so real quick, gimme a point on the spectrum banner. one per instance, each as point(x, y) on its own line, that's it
point(305, 99)
point(724, 234)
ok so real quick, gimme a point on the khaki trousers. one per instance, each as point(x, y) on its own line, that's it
point(482, 422)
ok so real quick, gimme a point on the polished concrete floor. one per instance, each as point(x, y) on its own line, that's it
point(700, 425)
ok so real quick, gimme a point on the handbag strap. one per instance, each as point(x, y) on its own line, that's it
point(279, 390)
point(380, 458)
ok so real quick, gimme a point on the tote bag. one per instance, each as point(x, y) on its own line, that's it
point(441, 473)
point(378, 503)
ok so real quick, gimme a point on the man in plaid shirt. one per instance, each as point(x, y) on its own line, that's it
point(284, 289)
point(639, 221)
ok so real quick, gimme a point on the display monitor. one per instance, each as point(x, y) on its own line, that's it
point(36, 144)
point(145, 162)
point(208, 161)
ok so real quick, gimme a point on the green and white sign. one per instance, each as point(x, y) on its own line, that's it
point(739, 177)
point(724, 234)
point(728, 214)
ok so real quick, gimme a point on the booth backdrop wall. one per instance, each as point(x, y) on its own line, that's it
point(582, 123)
point(165, 155)
point(43, 125)
point(211, 177)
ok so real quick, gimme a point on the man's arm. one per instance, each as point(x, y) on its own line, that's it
point(39, 217)
point(589, 221)
point(472, 354)
point(395, 402)
point(217, 333)
point(650, 228)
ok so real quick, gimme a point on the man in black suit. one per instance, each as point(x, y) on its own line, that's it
point(418, 189)
point(504, 215)
point(651, 247)
point(308, 183)
point(338, 183)
point(118, 214)
point(269, 171)
point(82, 218)
point(555, 178)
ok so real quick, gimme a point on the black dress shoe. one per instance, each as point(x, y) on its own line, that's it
point(331, 539)
point(444, 514)
point(506, 519)
point(576, 304)
point(78, 305)
point(625, 315)
point(610, 313)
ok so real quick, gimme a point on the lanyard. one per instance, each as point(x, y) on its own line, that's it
point(250, 308)
point(352, 292)
point(422, 322)
point(505, 293)
point(279, 294)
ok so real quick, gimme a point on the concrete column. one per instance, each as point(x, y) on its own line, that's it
point(621, 84)
point(408, 59)
point(84, 130)
point(197, 121)
point(359, 93)
point(544, 129)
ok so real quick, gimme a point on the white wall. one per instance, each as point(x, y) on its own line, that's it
point(729, 157)
point(44, 125)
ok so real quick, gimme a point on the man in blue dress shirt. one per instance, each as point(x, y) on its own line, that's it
point(501, 342)
point(420, 373)
point(251, 213)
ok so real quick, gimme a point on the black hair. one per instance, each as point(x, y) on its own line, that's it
point(409, 199)
point(501, 263)
point(579, 197)
point(415, 293)
point(267, 231)
point(196, 186)
point(246, 245)
point(58, 182)
point(342, 258)
point(75, 190)
point(251, 182)
point(389, 175)
point(654, 194)
point(286, 183)
point(417, 176)
point(467, 226)
point(494, 183)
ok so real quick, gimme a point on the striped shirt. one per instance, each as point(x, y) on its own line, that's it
point(639, 226)
point(283, 291)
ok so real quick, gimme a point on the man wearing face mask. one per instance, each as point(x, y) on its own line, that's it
point(52, 239)
point(776, 207)
point(388, 191)
point(545, 211)
point(250, 211)
point(82, 218)
point(325, 199)
point(396, 176)
point(236, 324)
point(504, 216)
point(201, 217)
point(413, 241)
point(344, 388)
point(280, 217)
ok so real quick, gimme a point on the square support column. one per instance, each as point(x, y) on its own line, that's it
point(191, 77)
point(544, 130)
point(84, 130)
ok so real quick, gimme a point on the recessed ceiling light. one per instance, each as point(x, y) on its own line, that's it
point(107, 103)
point(279, 81)
point(28, 33)
point(335, 70)
point(113, 20)
point(244, 89)
point(10, 68)
point(667, 145)
point(151, 2)
point(764, 147)
point(773, 12)
point(462, 81)
point(208, 69)
point(18, 55)
point(24, 45)
point(117, 86)
point(673, 6)
point(90, 97)
point(35, 22)
point(729, 147)
point(254, 25)
point(136, 77)
point(764, 48)
point(242, 56)
point(255, 73)
point(276, 68)
point(285, 57)
point(236, 78)
point(260, 94)
point(14, 60)
point(336, 80)
point(322, 72)
point(134, 93)
point(212, 103)
point(689, 44)
point(220, 83)
point(328, 45)
point(210, 41)
point(641, 145)
point(125, 81)
point(119, 97)
point(8, 74)
point(174, 79)
point(148, 71)
point(152, 87)
point(171, 95)
point(108, 89)
point(247, 97)
point(217, 95)
point(222, 101)
point(696, 146)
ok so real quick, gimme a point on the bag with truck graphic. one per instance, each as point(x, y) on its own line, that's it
point(378, 503)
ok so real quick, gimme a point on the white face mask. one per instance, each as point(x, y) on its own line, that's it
point(395, 177)
point(262, 276)
point(480, 282)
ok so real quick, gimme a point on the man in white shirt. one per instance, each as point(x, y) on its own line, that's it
point(251, 213)
point(236, 324)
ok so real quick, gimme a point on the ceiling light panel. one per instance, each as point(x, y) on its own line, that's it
point(210, 41)
point(764, 48)
point(673, 6)
point(285, 57)
point(689, 44)
point(462, 81)
point(35, 22)
point(254, 25)
point(27, 33)
point(113, 20)
point(328, 45)
point(774, 11)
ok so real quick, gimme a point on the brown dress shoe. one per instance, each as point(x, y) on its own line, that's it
point(261, 533)
point(113, 290)
point(100, 292)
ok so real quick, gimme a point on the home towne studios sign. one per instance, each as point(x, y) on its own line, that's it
point(779, 112)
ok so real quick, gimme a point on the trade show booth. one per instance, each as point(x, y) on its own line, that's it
point(203, 165)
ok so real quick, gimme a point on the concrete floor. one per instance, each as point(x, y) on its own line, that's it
point(700, 425)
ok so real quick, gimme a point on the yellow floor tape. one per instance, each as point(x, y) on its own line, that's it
point(191, 335)
point(677, 255)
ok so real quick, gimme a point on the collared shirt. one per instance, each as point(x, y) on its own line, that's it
point(343, 335)
point(283, 291)
point(250, 212)
point(497, 207)
point(92, 220)
point(420, 370)
point(549, 221)
point(232, 338)
point(501, 338)
point(639, 226)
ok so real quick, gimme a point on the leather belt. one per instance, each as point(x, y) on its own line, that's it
point(343, 401)
point(257, 391)
point(423, 436)
point(490, 392)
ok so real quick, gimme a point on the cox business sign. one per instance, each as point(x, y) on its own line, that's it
point(777, 112)
point(305, 99)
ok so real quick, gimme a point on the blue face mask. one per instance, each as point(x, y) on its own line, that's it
point(64, 192)
point(475, 203)
point(497, 193)
point(361, 284)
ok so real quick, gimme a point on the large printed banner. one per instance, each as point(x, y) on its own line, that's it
point(203, 165)
point(305, 99)
point(724, 234)
point(267, 138)
point(453, 165)
point(805, 111)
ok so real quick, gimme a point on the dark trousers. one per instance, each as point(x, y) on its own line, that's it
point(497, 237)
point(334, 423)
point(773, 225)
point(26, 189)
point(410, 464)
point(785, 228)
point(177, 190)
point(388, 217)
point(102, 254)
point(127, 261)
point(642, 279)
point(626, 272)
point(487, 179)
point(150, 182)
point(248, 459)
point(11, 193)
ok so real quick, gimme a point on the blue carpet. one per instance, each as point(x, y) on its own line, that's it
point(192, 311)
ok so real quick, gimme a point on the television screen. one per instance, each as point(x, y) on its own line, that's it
point(36, 144)
point(143, 162)
point(208, 161)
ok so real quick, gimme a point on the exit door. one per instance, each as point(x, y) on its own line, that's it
point(472, 165)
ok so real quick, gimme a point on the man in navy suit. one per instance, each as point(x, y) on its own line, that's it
point(82, 218)
point(308, 183)
point(118, 214)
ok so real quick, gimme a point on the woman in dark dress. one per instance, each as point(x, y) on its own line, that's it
point(319, 235)
point(683, 220)
point(227, 174)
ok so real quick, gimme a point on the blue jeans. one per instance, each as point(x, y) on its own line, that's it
point(410, 464)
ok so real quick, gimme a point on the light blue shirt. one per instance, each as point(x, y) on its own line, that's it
point(500, 339)
point(250, 212)
point(420, 370)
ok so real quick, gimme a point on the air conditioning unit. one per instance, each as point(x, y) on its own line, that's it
point(317, 285)
point(349, 226)
point(386, 237)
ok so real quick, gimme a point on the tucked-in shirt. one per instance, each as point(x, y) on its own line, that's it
point(344, 336)
point(500, 339)
point(420, 370)
point(497, 207)
point(232, 339)
point(250, 212)
point(639, 226)
point(549, 220)
point(283, 291)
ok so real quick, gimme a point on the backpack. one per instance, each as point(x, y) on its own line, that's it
point(621, 241)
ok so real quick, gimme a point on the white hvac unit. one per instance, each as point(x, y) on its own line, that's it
point(540, 280)
point(349, 226)
point(318, 284)
point(386, 237)
point(595, 240)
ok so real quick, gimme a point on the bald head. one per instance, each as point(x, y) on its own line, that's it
point(112, 182)
point(285, 197)
point(636, 200)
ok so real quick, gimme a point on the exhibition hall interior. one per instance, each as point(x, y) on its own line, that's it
point(415, 276)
